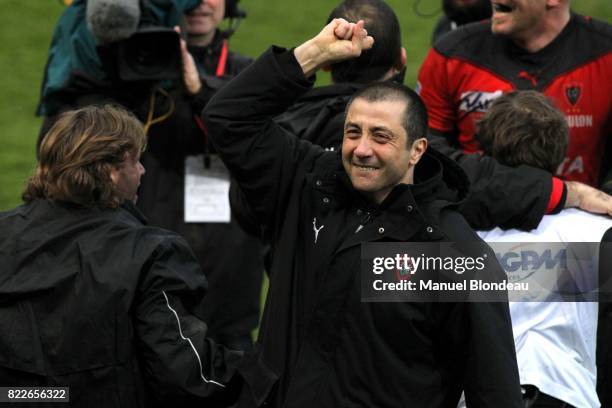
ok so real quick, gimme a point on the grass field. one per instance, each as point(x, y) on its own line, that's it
point(26, 27)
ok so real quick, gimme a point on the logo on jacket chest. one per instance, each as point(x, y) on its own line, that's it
point(575, 112)
point(477, 101)
point(316, 229)
point(573, 92)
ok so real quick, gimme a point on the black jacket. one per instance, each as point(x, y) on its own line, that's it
point(96, 301)
point(319, 345)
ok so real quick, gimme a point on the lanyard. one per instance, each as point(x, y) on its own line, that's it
point(222, 60)
point(220, 71)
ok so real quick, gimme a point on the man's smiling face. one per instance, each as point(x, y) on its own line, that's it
point(374, 149)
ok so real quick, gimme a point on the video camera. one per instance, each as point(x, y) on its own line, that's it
point(153, 51)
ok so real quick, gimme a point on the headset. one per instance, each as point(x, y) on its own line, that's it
point(235, 15)
point(232, 11)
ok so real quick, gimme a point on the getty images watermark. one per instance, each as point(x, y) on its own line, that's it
point(479, 272)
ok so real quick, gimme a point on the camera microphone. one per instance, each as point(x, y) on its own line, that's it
point(112, 20)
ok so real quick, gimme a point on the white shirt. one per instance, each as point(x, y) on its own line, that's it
point(555, 341)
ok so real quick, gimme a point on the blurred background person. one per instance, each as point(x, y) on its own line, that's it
point(529, 45)
point(460, 12)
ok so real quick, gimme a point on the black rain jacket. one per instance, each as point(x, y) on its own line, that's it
point(319, 345)
point(96, 301)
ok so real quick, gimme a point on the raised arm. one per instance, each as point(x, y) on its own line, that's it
point(263, 158)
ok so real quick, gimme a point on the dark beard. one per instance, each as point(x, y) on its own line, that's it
point(467, 14)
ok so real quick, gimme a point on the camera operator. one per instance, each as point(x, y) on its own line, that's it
point(82, 66)
point(179, 155)
point(185, 187)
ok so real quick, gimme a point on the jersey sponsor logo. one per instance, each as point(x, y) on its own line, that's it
point(573, 92)
point(579, 121)
point(521, 263)
point(477, 101)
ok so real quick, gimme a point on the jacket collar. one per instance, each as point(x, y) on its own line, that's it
point(436, 178)
point(133, 210)
point(127, 205)
point(214, 48)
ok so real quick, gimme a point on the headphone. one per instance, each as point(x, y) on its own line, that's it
point(232, 11)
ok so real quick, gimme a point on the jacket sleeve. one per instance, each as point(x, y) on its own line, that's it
point(262, 157)
point(500, 196)
point(491, 374)
point(479, 333)
point(180, 363)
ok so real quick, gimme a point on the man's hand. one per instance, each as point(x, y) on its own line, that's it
point(339, 40)
point(587, 198)
point(191, 76)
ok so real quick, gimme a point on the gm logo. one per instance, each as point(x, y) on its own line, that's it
point(525, 263)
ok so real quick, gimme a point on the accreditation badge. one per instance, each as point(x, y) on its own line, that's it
point(207, 185)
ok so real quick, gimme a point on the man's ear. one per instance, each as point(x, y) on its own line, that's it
point(401, 64)
point(417, 150)
point(114, 174)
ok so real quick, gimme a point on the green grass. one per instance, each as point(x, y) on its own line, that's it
point(25, 30)
point(26, 27)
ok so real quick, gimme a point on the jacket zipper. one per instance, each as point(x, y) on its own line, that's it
point(368, 217)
